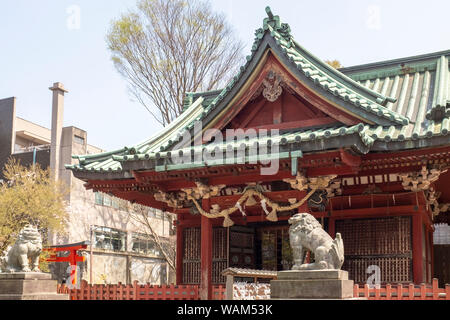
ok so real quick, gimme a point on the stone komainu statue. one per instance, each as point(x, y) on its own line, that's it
point(306, 233)
point(28, 246)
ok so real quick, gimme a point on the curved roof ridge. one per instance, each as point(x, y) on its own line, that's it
point(387, 63)
point(385, 99)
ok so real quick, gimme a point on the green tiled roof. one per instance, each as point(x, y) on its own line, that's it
point(407, 100)
point(421, 85)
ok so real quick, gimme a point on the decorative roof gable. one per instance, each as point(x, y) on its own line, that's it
point(319, 77)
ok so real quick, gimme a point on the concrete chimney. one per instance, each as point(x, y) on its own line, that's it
point(7, 130)
point(57, 124)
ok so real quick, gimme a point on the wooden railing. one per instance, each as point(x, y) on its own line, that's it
point(191, 292)
point(131, 292)
point(403, 292)
point(219, 292)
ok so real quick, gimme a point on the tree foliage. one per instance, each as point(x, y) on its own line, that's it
point(166, 48)
point(28, 195)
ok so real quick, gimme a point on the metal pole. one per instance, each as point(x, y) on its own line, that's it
point(34, 156)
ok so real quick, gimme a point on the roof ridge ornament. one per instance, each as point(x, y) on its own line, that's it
point(273, 23)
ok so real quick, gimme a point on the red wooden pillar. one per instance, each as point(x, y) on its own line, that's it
point(425, 276)
point(417, 228)
point(179, 257)
point(429, 275)
point(332, 227)
point(206, 254)
point(73, 265)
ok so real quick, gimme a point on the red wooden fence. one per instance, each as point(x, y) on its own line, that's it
point(219, 292)
point(191, 292)
point(403, 292)
point(137, 292)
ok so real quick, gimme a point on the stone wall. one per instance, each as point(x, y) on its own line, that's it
point(106, 268)
point(148, 270)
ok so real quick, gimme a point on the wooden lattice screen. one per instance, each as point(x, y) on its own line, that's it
point(383, 242)
point(219, 255)
point(191, 256)
point(242, 250)
point(442, 264)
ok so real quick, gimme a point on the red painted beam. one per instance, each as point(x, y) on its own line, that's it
point(416, 153)
point(274, 196)
point(375, 212)
point(386, 187)
point(395, 168)
point(330, 170)
point(197, 223)
point(252, 177)
point(350, 160)
point(295, 124)
point(70, 259)
point(69, 248)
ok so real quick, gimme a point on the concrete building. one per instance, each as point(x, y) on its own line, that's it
point(120, 250)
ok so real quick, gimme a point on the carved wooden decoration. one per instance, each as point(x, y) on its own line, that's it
point(301, 183)
point(203, 191)
point(173, 200)
point(433, 204)
point(272, 87)
point(420, 181)
point(334, 188)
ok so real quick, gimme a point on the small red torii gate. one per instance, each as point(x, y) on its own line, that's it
point(72, 258)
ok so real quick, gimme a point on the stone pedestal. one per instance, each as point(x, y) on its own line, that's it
point(29, 286)
point(312, 284)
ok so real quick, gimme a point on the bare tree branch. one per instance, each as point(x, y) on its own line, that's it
point(169, 47)
point(140, 215)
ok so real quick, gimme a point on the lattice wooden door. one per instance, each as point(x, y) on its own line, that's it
point(242, 251)
point(442, 264)
point(219, 254)
point(191, 256)
point(382, 242)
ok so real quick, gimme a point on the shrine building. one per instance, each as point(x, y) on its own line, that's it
point(364, 149)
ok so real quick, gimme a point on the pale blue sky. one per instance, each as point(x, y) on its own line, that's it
point(38, 47)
